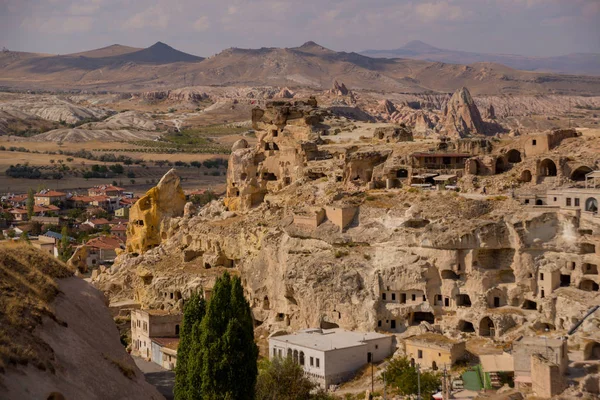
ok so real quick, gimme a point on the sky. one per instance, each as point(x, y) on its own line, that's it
point(205, 27)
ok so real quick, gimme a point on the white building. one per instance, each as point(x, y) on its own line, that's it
point(331, 356)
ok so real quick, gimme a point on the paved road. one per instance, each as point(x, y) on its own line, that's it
point(156, 375)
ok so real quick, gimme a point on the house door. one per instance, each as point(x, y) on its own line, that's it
point(393, 324)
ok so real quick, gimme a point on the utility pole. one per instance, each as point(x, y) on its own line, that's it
point(445, 385)
point(418, 382)
point(384, 387)
point(371, 374)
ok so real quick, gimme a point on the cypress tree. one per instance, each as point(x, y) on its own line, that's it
point(229, 353)
point(187, 374)
point(30, 203)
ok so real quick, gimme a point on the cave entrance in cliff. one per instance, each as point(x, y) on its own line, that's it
point(579, 174)
point(269, 176)
point(449, 274)
point(466, 326)
point(565, 280)
point(548, 168)
point(486, 327)
point(463, 300)
point(539, 202)
point(501, 165)
point(590, 269)
point(588, 285)
point(266, 304)
point(513, 156)
point(591, 351)
point(402, 173)
point(526, 176)
point(419, 316)
point(328, 325)
point(529, 305)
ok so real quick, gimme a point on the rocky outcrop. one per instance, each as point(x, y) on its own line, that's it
point(150, 216)
point(386, 107)
point(339, 89)
point(284, 93)
point(461, 116)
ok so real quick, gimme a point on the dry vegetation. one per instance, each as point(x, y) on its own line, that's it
point(27, 289)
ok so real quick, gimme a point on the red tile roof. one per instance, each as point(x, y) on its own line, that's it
point(100, 221)
point(105, 242)
point(119, 227)
point(170, 343)
point(50, 193)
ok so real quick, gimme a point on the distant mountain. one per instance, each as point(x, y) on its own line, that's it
point(575, 63)
point(309, 65)
point(158, 53)
point(109, 51)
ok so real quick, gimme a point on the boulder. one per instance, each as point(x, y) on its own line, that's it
point(461, 116)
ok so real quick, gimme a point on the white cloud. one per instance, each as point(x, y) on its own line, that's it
point(153, 17)
point(202, 24)
point(441, 11)
point(53, 25)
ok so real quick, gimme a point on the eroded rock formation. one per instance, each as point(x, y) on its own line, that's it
point(461, 115)
point(150, 216)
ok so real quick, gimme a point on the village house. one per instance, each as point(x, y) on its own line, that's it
point(119, 230)
point(164, 352)
point(97, 223)
point(432, 350)
point(439, 160)
point(331, 356)
point(122, 212)
point(102, 250)
point(148, 325)
point(533, 372)
point(105, 190)
point(48, 197)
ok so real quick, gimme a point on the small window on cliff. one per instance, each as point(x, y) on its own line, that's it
point(534, 142)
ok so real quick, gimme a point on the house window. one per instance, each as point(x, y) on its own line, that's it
point(414, 297)
point(568, 202)
point(379, 323)
point(177, 330)
point(376, 346)
point(420, 354)
point(393, 296)
point(534, 142)
point(542, 294)
point(318, 363)
point(279, 352)
point(274, 352)
point(312, 360)
point(541, 277)
point(555, 199)
point(383, 296)
point(424, 298)
point(576, 202)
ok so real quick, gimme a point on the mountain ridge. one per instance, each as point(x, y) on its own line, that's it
point(572, 63)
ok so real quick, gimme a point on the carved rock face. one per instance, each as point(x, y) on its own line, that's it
point(149, 216)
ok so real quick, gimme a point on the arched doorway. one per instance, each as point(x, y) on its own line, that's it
point(295, 356)
point(539, 202)
point(434, 366)
point(402, 173)
point(486, 327)
point(513, 156)
point(526, 176)
point(548, 168)
point(588, 285)
point(591, 351)
point(579, 174)
point(591, 205)
point(501, 165)
point(466, 326)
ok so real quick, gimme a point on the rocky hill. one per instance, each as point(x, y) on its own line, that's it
point(57, 337)
point(309, 65)
point(576, 63)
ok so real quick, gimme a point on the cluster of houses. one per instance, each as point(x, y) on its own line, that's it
point(105, 209)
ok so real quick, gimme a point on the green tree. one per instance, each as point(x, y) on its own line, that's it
point(25, 237)
point(402, 376)
point(64, 248)
point(30, 203)
point(282, 379)
point(187, 372)
point(228, 350)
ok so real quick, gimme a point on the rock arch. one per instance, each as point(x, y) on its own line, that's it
point(501, 165)
point(591, 205)
point(591, 351)
point(588, 285)
point(486, 327)
point(579, 173)
point(548, 168)
point(465, 326)
point(513, 156)
point(526, 176)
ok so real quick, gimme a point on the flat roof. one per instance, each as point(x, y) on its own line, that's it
point(497, 362)
point(433, 338)
point(444, 177)
point(441, 155)
point(539, 341)
point(328, 339)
